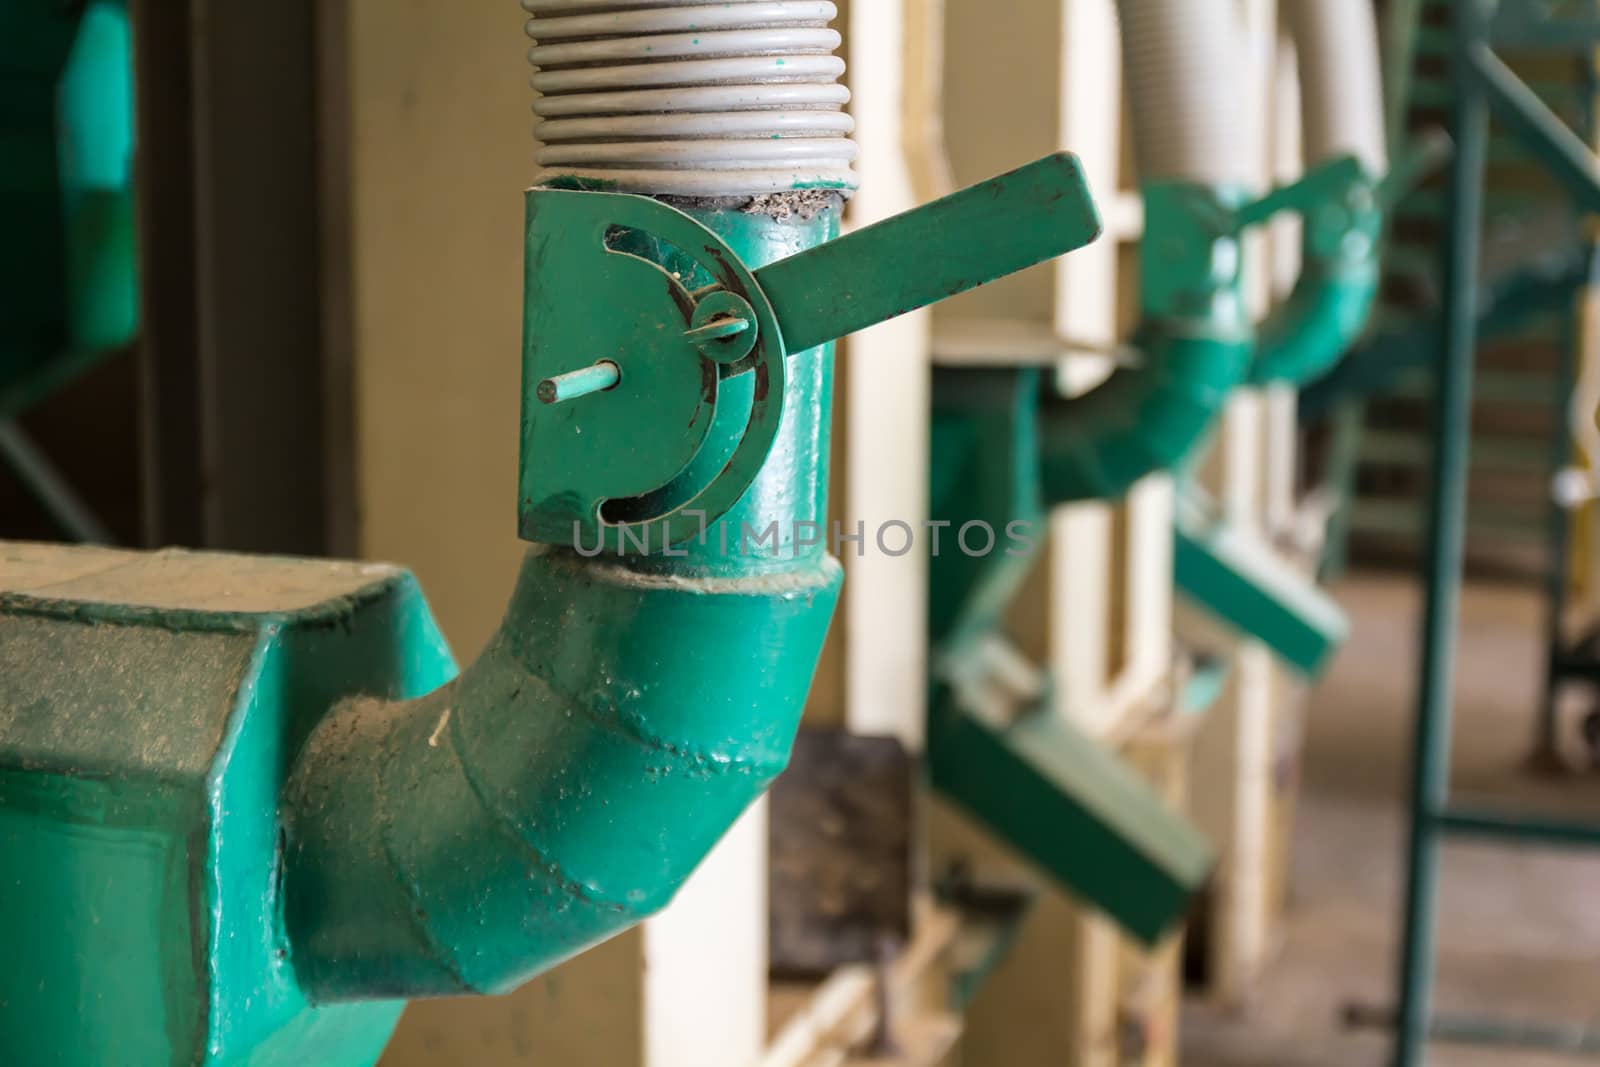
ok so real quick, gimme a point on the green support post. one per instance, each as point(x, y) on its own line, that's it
point(1481, 84)
point(1446, 541)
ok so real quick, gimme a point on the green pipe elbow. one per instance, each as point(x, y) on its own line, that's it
point(627, 712)
point(559, 791)
point(1196, 339)
point(1142, 420)
point(1195, 342)
point(1325, 315)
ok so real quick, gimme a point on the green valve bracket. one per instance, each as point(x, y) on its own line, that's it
point(1195, 273)
point(625, 401)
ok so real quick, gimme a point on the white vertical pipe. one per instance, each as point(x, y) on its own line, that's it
point(1086, 308)
point(705, 958)
point(885, 597)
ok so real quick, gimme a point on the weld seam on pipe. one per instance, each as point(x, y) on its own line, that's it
point(514, 826)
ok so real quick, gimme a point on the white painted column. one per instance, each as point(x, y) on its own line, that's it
point(1282, 428)
point(1086, 310)
point(1252, 475)
point(887, 369)
point(705, 959)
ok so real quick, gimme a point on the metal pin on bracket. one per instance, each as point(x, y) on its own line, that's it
point(596, 379)
point(718, 329)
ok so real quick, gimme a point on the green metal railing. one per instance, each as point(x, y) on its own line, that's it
point(1481, 85)
point(1518, 302)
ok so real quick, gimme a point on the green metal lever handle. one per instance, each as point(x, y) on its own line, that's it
point(1321, 184)
point(1337, 178)
point(965, 240)
point(1427, 153)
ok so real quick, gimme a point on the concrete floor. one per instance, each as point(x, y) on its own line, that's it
point(1520, 927)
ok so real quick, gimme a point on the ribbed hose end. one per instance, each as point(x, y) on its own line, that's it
point(1182, 63)
point(687, 98)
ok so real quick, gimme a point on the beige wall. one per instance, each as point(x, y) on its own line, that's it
point(438, 154)
point(1002, 110)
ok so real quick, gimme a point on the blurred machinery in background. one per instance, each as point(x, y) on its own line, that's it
point(1007, 447)
point(1512, 275)
point(1003, 738)
point(170, 370)
point(69, 265)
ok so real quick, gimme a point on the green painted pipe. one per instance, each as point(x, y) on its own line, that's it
point(1196, 344)
point(1096, 447)
point(626, 713)
point(1341, 115)
point(1323, 317)
point(1196, 340)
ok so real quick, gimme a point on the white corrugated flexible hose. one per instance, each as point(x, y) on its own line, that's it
point(686, 98)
